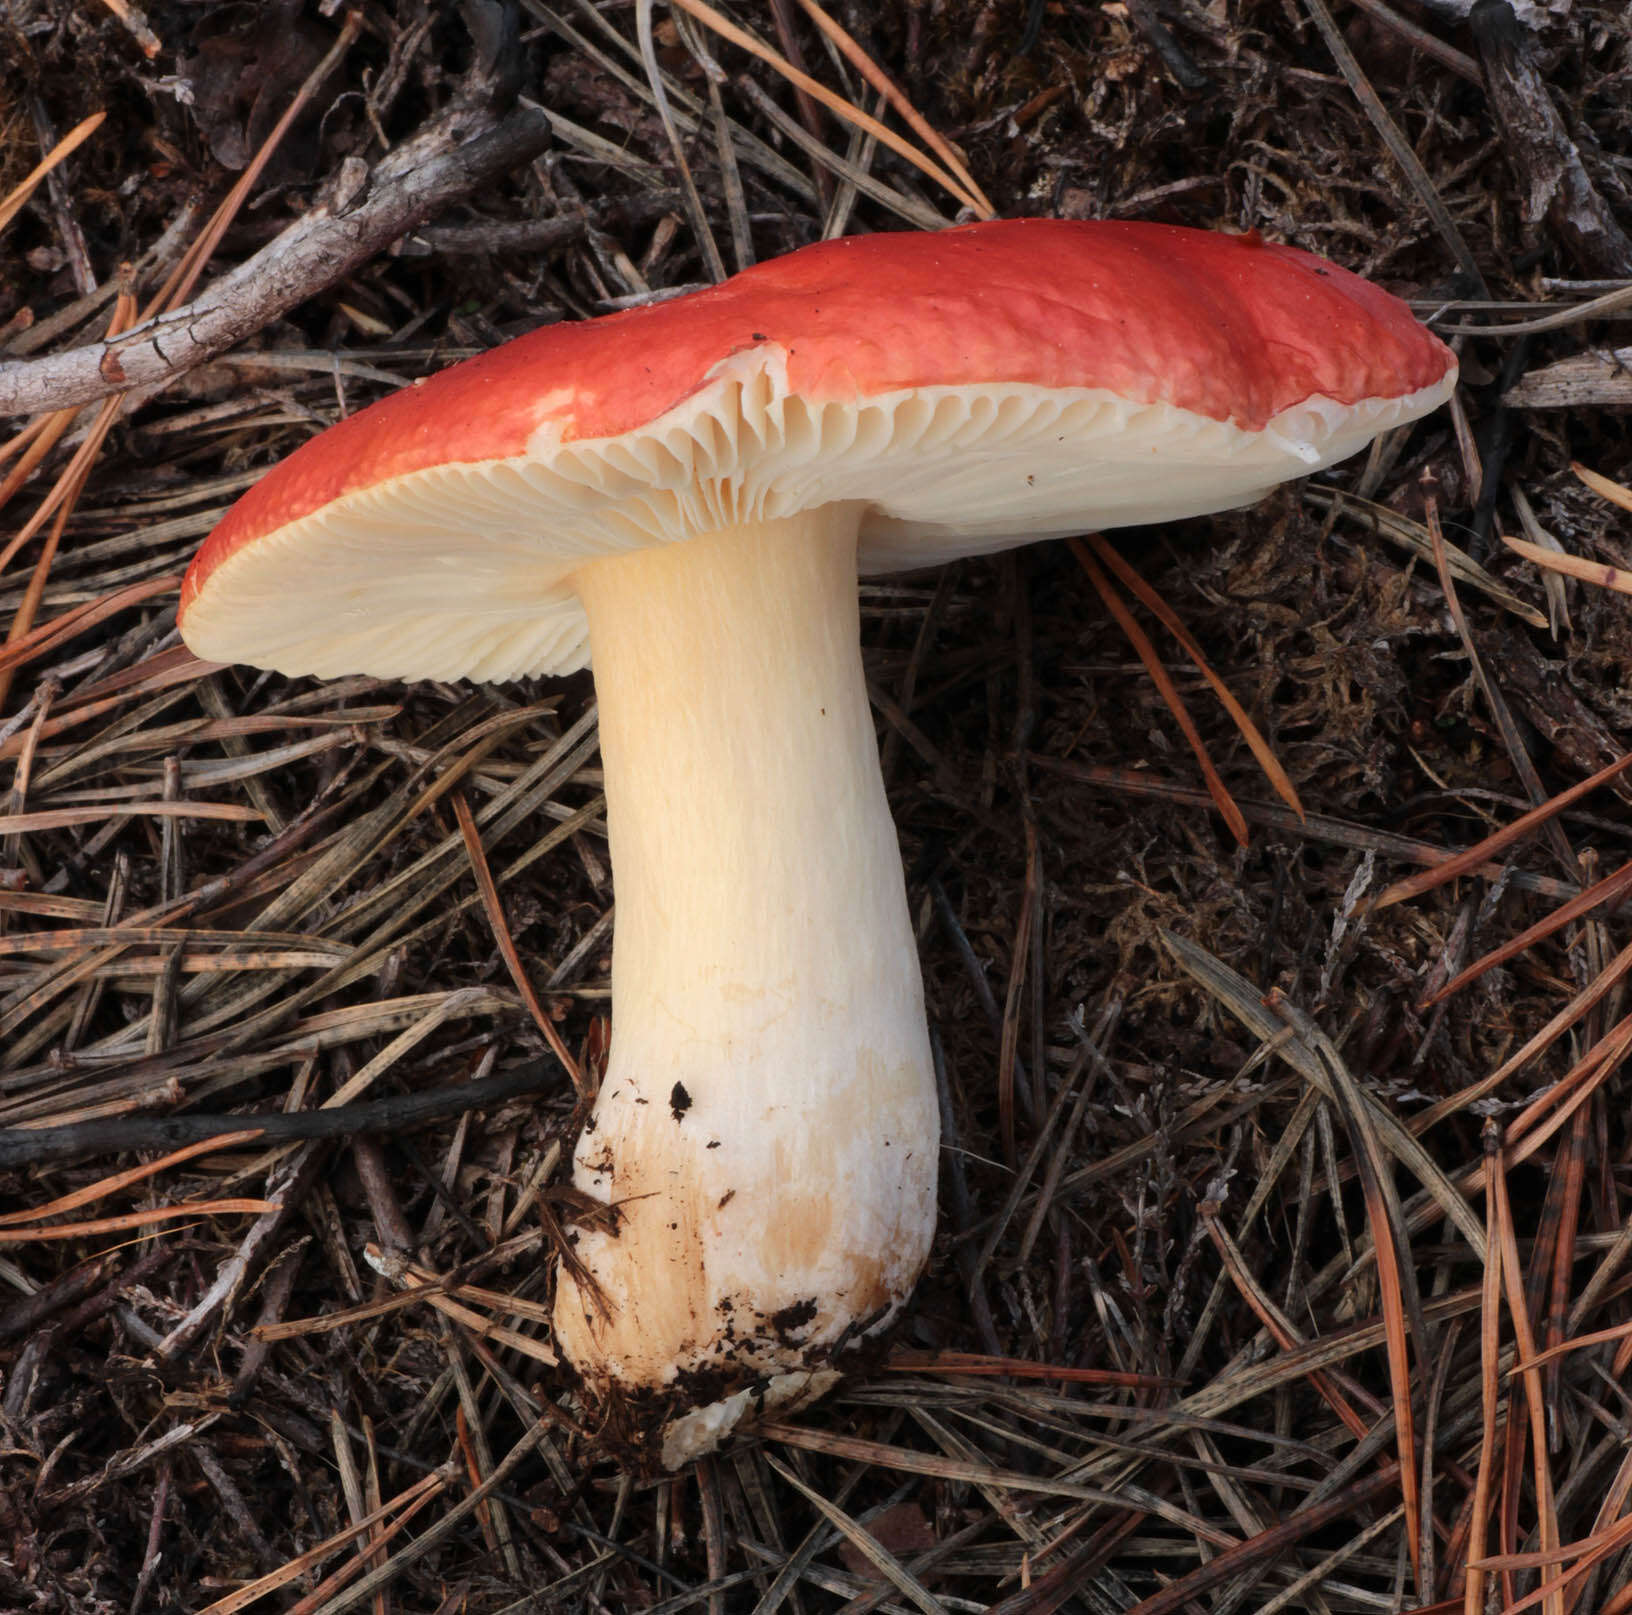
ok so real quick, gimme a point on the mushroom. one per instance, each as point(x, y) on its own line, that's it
point(690, 488)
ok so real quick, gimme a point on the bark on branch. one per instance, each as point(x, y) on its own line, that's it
point(452, 156)
point(1557, 189)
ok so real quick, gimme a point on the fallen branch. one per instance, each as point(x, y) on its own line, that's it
point(456, 153)
point(1554, 180)
point(1600, 378)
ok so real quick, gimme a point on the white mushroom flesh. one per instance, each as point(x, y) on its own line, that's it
point(767, 1126)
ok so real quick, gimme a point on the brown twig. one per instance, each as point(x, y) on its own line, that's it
point(451, 157)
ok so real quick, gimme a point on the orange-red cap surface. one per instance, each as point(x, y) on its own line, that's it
point(1226, 327)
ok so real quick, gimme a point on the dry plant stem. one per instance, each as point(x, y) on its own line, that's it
point(1459, 62)
point(767, 1125)
point(455, 154)
point(1601, 376)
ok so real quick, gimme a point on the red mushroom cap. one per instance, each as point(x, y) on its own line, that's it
point(1221, 329)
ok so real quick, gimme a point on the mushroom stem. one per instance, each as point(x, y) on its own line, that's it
point(767, 1127)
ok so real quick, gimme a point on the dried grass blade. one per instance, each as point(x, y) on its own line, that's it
point(864, 1542)
point(1599, 1337)
point(1524, 1339)
point(725, 154)
point(55, 507)
point(1311, 1579)
point(1280, 1330)
point(438, 1297)
point(1610, 889)
point(1008, 1055)
point(36, 440)
point(123, 1180)
point(177, 665)
point(1399, 147)
point(1135, 635)
point(1470, 858)
point(1594, 308)
point(887, 87)
point(1615, 1498)
point(1518, 753)
point(1560, 1585)
point(423, 1544)
point(351, 1480)
point(1072, 1085)
point(58, 818)
point(19, 194)
point(1396, 1285)
point(1270, 1544)
point(181, 280)
point(507, 945)
point(727, 29)
point(408, 1501)
point(1148, 597)
point(136, 26)
point(915, 212)
point(809, 113)
point(1569, 1177)
point(1558, 599)
point(59, 504)
point(1549, 1111)
point(1490, 1390)
point(1388, 1226)
point(1588, 1550)
point(1247, 1004)
point(444, 1006)
point(700, 227)
point(473, 1473)
point(1413, 536)
point(137, 1219)
point(1617, 493)
point(48, 635)
point(1600, 573)
point(1317, 827)
point(967, 1363)
point(1590, 995)
point(344, 1318)
point(514, 1306)
point(884, 1456)
point(24, 437)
